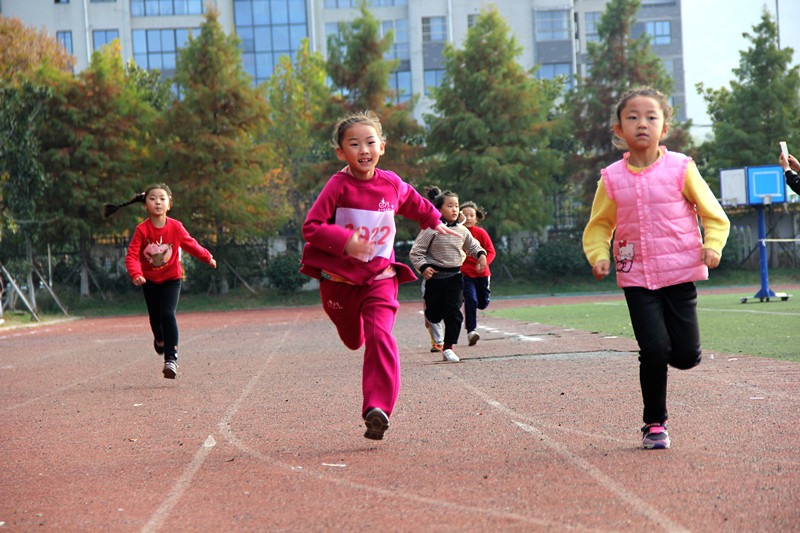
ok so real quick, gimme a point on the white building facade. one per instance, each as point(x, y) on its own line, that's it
point(552, 33)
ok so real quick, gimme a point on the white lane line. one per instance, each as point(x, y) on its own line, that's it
point(752, 311)
point(604, 480)
point(181, 484)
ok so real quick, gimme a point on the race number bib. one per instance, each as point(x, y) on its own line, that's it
point(375, 226)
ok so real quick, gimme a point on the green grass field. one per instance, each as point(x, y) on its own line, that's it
point(767, 329)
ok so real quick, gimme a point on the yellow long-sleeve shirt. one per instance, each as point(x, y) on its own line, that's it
point(603, 220)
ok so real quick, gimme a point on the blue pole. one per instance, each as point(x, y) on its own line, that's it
point(765, 291)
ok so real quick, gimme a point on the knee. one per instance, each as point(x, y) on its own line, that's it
point(686, 361)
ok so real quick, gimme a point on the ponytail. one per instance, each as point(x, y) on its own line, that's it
point(437, 196)
point(110, 209)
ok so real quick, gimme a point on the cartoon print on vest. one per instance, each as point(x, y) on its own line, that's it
point(158, 253)
point(625, 259)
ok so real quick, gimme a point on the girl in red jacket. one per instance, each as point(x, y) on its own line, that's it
point(154, 263)
point(476, 282)
point(350, 234)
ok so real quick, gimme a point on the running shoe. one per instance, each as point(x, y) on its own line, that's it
point(655, 437)
point(170, 369)
point(436, 347)
point(377, 423)
point(473, 337)
point(450, 355)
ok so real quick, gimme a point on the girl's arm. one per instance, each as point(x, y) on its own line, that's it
point(132, 263)
point(600, 228)
point(319, 232)
point(713, 218)
point(419, 250)
point(487, 244)
point(188, 243)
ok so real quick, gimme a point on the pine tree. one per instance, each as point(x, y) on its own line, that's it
point(489, 136)
point(213, 158)
point(761, 107)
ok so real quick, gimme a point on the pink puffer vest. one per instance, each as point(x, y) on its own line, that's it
point(657, 241)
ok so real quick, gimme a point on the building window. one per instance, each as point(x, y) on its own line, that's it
point(61, 1)
point(158, 49)
point(434, 29)
point(552, 25)
point(472, 20)
point(548, 71)
point(268, 30)
point(103, 37)
point(155, 8)
point(400, 48)
point(592, 19)
point(433, 78)
point(400, 83)
point(342, 4)
point(65, 38)
point(660, 31)
point(93, 1)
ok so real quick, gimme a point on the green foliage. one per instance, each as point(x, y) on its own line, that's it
point(618, 63)
point(489, 137)
point(283, 272)
point(759, 109)
point(213, 157)
point(560, 256)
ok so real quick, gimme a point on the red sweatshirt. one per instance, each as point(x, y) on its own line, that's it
point(155, 252)
point(469, 267)
point(346, 203)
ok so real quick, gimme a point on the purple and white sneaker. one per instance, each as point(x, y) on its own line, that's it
point(655, 437)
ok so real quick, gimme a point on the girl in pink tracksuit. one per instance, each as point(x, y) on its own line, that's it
point(350, 234)
point(649, 201)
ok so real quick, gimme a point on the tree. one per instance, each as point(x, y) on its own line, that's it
point(618, 62)
point(298, 96)
point(490, 134)
point(22, 178)
point(212, 155)
point(92, 149)
point(759, 109)
point(24, 50)
point(357, 67)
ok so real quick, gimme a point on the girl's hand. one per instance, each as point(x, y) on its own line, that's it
point(212, 263)
point(789, 162)
point(601, 268)
point(710, 258)
point(428, 273)
point(359, 248)
point(139, 281)
point(481, 266)
point(444, 230)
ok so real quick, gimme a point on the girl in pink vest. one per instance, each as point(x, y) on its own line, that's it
point(649, 202)
point(350, 234)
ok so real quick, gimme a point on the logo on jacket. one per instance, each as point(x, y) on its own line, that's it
point(336, 306)
point(383, 205)
point(625, 259)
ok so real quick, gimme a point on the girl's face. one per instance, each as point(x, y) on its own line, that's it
point(470, 216)
point(641, 123)
point(449, 209)
point(157, 202)
point(362, 148)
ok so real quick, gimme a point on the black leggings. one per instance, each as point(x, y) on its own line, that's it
point(443, 299)
point(162, 301)
point(665, 324)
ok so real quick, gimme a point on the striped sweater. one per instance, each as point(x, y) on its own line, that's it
point(444, 253)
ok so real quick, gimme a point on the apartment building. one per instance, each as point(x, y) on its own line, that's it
point(552, 33)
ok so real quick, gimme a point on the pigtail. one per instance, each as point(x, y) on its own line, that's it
point(480, 212)
point(432, 192)
point(110, 209)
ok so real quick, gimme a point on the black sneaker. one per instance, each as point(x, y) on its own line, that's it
point(377, 423)
point(170, 369)
point(159, 349)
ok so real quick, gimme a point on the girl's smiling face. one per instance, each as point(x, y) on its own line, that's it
point(157, 202)
point(470, 216)
point(361, 147)
point(449, 209)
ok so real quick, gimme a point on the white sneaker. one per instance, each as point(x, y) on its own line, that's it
point(473, 337)
point(450, 355)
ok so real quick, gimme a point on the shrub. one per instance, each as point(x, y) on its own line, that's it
point(284, 274)
point(559, 257)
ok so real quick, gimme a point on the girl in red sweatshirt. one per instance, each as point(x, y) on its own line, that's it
point(154, 263)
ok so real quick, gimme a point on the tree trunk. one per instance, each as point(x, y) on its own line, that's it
point(29, 278)
point(84, 258)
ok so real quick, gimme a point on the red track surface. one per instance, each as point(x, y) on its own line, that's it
point(537, 429)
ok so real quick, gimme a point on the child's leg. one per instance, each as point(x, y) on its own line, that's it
point(452, 299)
point(646, 309)
point(342, 304)
point(470, 304)
point(483, 291)
point(680, 315)
point(381, 373)
point(170, 294)
point(153, 300)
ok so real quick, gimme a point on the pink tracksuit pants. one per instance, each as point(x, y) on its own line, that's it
point(364, 315)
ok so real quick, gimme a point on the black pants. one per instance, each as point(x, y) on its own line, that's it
point(665, 324)
point(162, 301)
point(443, 299)
point(476, 296)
